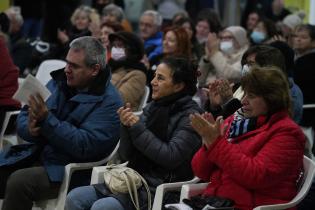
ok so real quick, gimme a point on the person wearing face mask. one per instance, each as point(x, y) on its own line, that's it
point(263, 32)
point(222, 101)
point(246, 157)
point(128, 73)
point(223, 56)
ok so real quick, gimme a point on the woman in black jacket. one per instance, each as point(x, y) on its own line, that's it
point(159, 144)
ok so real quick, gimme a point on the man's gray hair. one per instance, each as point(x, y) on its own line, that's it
point(94, 51)
point(114, 10)
point(156, 17)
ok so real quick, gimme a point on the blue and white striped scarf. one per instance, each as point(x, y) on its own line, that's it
point(241, 125)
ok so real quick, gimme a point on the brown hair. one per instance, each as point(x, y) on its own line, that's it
point(183, 47)
point(271, 84)
point(116, 26)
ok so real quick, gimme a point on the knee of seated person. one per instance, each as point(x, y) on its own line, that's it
point(108, 203)
point(16, 181)
point(73, 199)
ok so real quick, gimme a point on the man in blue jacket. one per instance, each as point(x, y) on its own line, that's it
point(150, 31)
point(78, 123)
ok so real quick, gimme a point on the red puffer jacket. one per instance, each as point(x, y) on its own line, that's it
point(260, 167)
point(9, 74)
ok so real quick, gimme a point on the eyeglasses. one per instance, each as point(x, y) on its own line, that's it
point(226, 37)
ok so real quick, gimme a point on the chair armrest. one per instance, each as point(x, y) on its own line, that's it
point(138, 113)
point(163, 188)
point(308, 106)
point(189, 190)
point(275, 206)
point(70, 168)
point(5, 123)
point(97, 175)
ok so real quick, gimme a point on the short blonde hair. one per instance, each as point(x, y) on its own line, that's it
point(90, 12)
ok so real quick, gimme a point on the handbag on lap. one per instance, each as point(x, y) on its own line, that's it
point(121, 179)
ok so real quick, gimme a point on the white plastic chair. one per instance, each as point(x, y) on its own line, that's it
point(144, 101)
point(163, 188)
point(59, 202)
point(12, 138)
point(97, 177)
point(47, 66)
point(309, 133)
point(189, 190)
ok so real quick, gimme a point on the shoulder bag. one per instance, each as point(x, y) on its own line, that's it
point(121, 179)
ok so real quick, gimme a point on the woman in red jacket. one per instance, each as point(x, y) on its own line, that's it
point(9, 74)
point(255, 156)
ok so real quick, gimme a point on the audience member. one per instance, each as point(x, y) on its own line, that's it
point(81, 20)
point(263, 32)
point(100, 4)
point(288, 25)
point(179, 15)
point(32, 12)
point(277, 11)
point(207, 21)
point(222, 102)
point(175, 43)
point(149, 27)
point(78, 123)
point(8, 82)
point(113, 13)
point(128, 73)
point(168, 9)
point(19, 47)
point(188, 25)
point(295, 91)
point(106, 30)
point(223, 56)
point(159, 144)
point(304, 46)
point(245, 158)
point(85, 21)
point(252, 20)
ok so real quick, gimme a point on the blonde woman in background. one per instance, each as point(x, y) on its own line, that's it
point(85, 21)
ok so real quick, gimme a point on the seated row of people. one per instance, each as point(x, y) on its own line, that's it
point(80, 122)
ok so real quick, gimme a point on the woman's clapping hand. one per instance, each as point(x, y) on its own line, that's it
point(208, 128)
point(127, 117)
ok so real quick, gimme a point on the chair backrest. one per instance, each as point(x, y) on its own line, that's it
point(145, 98)
point(47, 66)
point(309, 133)
point(309, 136)
point(5, 123)
point(143, 102)
point(309, 172)
point(59, 202)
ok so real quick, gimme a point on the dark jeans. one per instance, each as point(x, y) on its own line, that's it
point(23, 186)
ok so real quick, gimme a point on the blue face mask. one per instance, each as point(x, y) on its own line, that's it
point(257, 37)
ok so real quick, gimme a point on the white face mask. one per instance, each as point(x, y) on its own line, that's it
point(227, 47)
point(117, 53)
point(245, 69)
